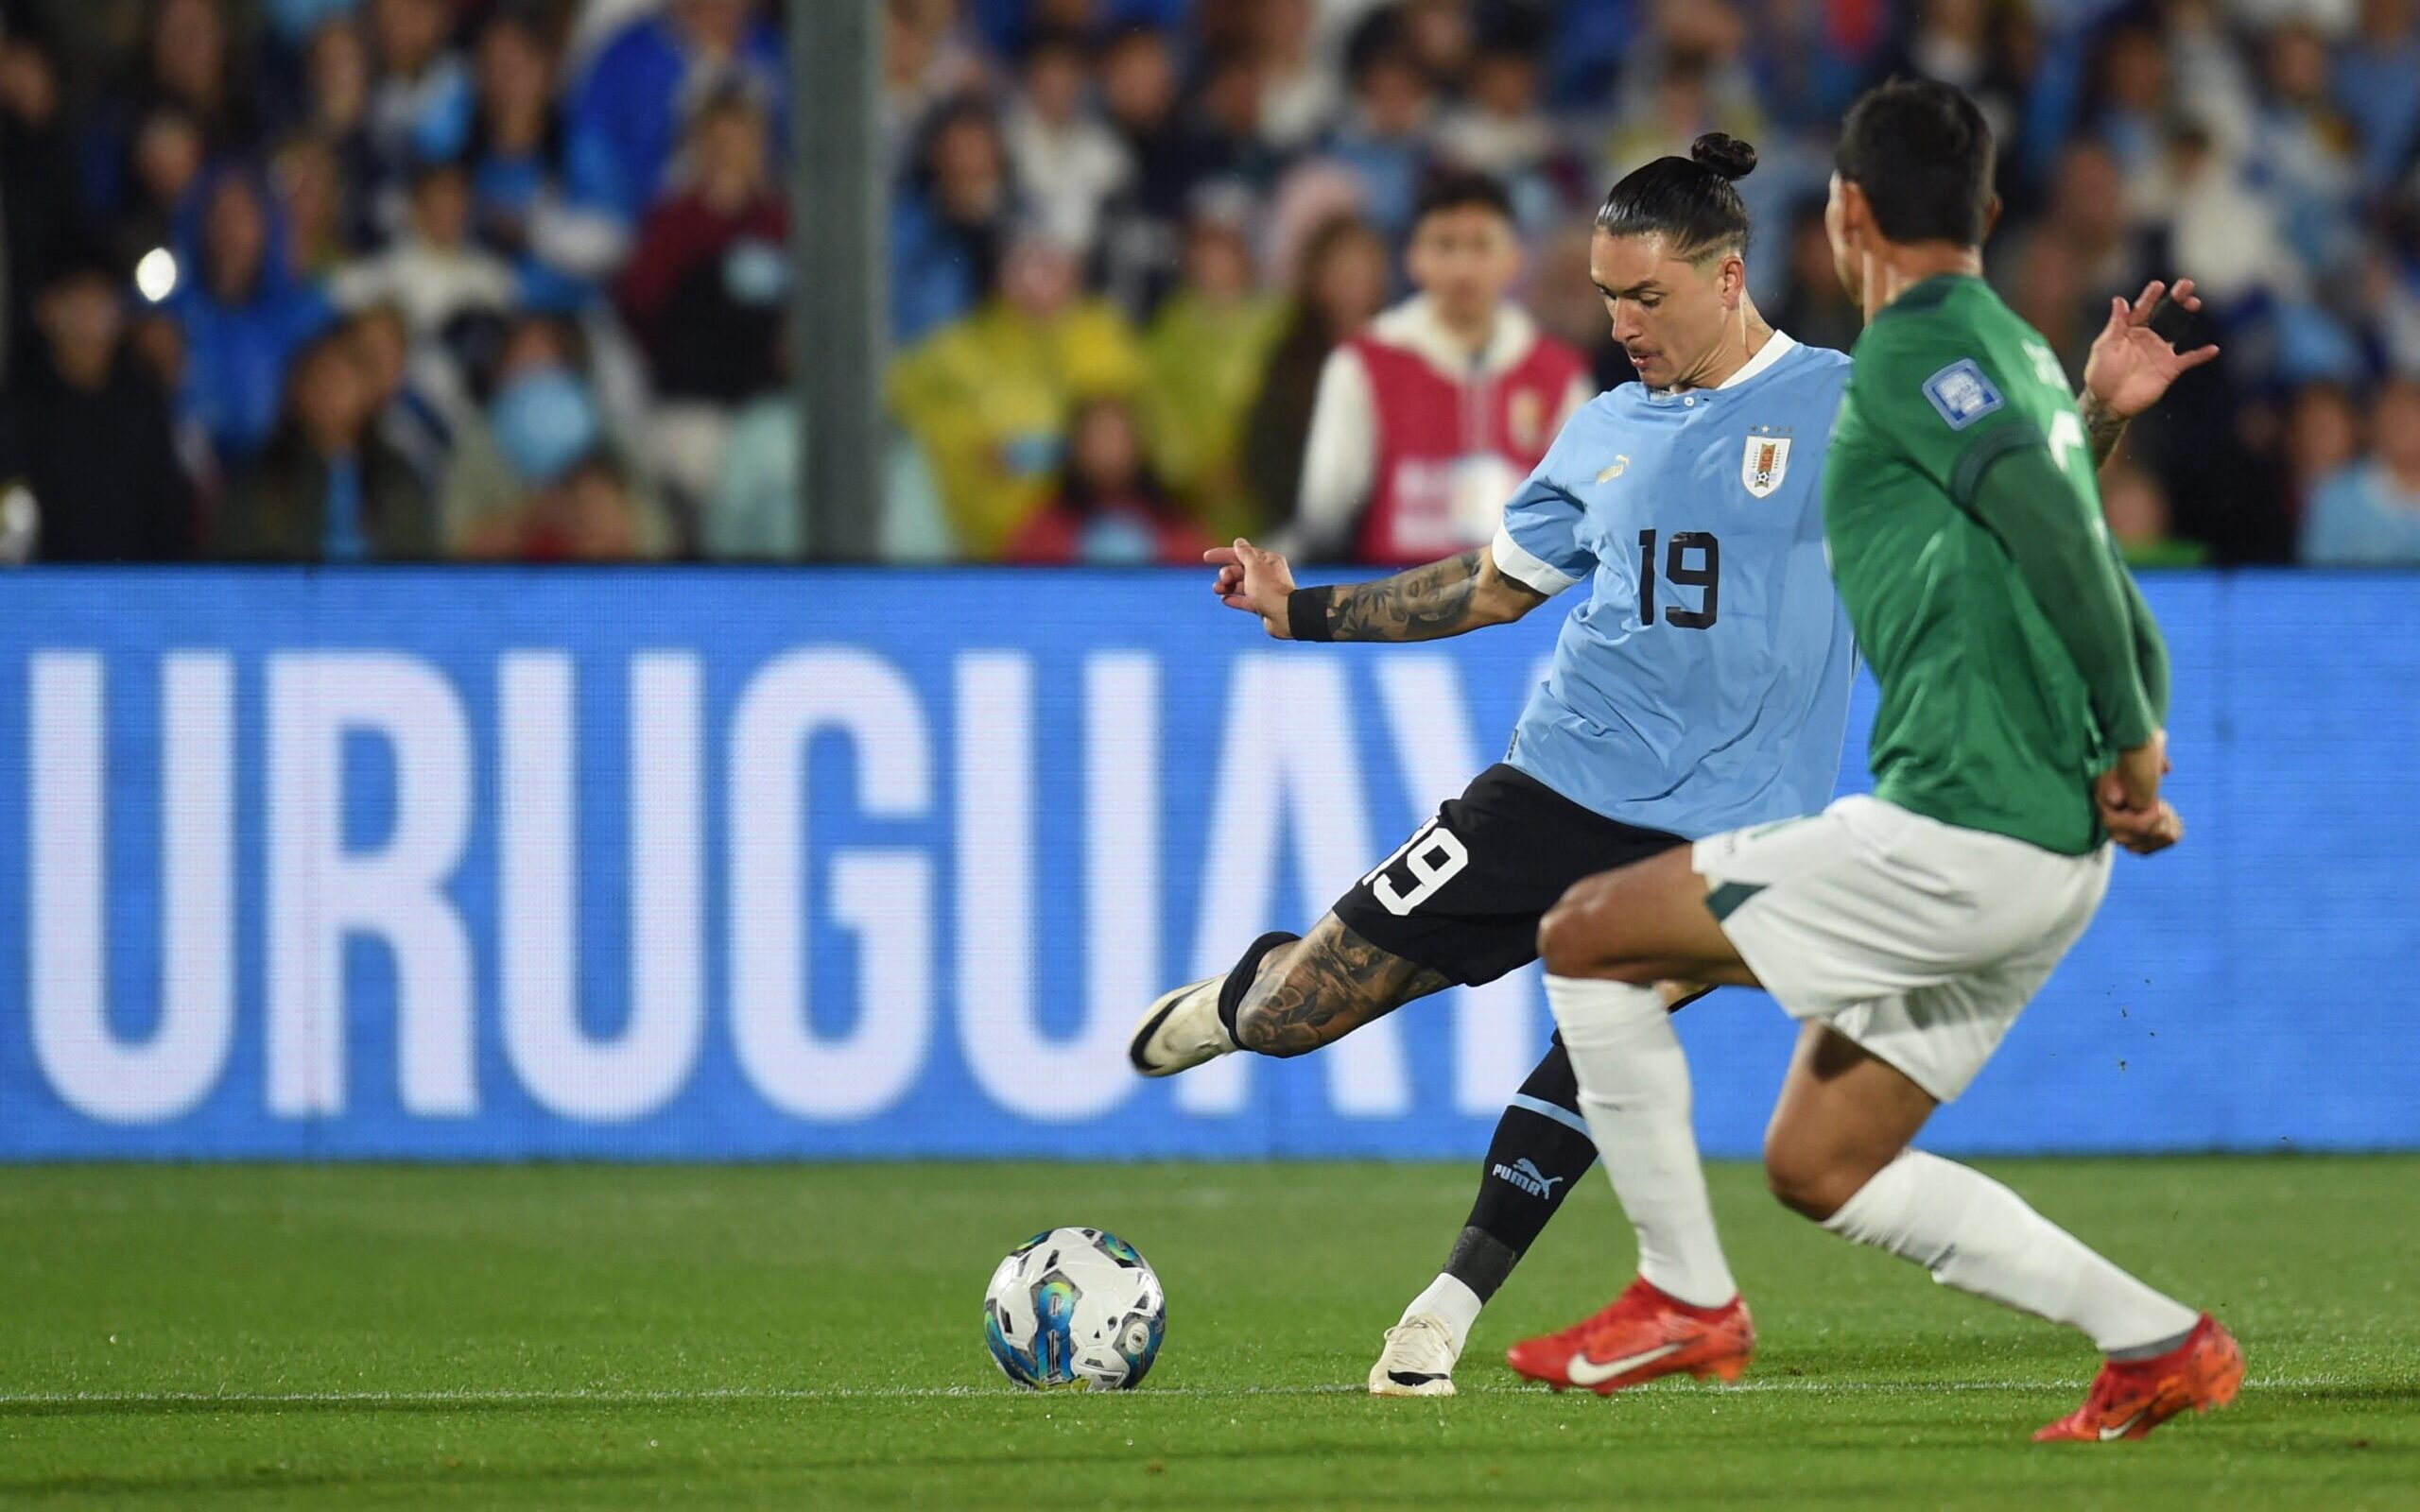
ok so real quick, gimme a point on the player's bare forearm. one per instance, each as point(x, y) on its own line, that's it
point(1450, 597)
point(1329, 984)
point(2103, 427)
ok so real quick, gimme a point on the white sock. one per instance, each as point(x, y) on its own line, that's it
point(1451, 1302)
point(1634, 1093)
point(1977, 1235)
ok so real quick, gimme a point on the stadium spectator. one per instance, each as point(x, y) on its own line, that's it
point(420, 101)
point(1140, 230)
point(1385, 134)
point(1425, 424)
point(38, 193)
point(1689, 74)
point(2130, 94)
point(2089, 217)
point(1341, 284)
point(561, 251)
point(328, 489)
point(1813, 308)
point(1299, 98)
point(987, 397)
point(1066, 159)
point(624, 120)
point(2368, 515)
point(2375, 80)
point(1498, 129)
point(2306, 154)
point(407, 416)
point(925, 61)
point(87, 428)
point(434, 272)
point(336, 109)
point(243, 315)
point(2228, 232)
point(703, 289)
point(947, 221)
point(1224, 128)
point(189, 59)
point(1208, 347)
point(589, 514)
point(544, 416)
point(2136, 508)
point(2322, 437)
point(1438, 33)
point(165, 161)
point(308, 180)
point(1110, 511)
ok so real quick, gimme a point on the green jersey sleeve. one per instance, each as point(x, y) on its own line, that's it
point(2081, 590)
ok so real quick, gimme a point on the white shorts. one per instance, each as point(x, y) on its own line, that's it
point(1919, 940)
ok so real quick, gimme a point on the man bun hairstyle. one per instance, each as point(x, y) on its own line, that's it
point(1921, 152)
point(1690, 202)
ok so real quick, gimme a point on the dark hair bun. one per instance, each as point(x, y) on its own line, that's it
point(1726, 155)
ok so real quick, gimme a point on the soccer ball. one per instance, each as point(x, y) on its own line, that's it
point(1075, 1307)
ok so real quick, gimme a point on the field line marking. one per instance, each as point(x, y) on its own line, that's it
point(607, 1396)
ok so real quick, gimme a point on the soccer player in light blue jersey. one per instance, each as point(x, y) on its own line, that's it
point(1700, 685)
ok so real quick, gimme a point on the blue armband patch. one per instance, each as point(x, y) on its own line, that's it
point(1963, 394)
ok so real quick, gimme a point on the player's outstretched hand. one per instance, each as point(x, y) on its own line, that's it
point(2132, 365)
point(1256, 581)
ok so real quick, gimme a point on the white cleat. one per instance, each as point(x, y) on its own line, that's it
point(1418, 1359)
point(1181, 1030)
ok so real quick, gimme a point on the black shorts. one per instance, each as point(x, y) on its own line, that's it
point(1464, 894)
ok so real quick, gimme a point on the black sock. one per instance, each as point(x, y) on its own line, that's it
point(1231, 996)
point(1540, 1152)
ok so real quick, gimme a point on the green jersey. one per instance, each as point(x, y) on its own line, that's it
point(1964, 521)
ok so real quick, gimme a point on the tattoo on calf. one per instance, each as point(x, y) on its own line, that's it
point(1323, 989)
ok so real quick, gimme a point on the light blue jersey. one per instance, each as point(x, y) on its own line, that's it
point(1704, 684)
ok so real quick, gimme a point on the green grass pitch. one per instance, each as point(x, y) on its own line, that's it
point(604, 1337)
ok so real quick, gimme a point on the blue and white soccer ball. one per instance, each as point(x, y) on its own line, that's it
point(1075, 1307)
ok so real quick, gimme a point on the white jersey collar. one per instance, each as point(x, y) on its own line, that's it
point(1775, 348)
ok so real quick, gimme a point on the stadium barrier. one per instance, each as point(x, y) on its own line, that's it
point(445, 864)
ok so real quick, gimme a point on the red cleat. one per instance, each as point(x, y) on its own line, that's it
point(2131, 1397)
point(1643, 1335)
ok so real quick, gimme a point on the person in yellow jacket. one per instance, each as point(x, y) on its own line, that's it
point(988, 396)
point(1208, 347)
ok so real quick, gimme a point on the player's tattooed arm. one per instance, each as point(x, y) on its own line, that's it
point(1428, 603)
point(1444, 599)
point(2103, 427)
point(1323, 989)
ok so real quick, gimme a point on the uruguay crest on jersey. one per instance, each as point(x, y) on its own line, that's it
point(1765, 463)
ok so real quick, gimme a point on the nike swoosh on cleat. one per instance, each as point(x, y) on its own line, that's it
point(1411, 1378)
point(1586, 1372)
point(2123, 1429)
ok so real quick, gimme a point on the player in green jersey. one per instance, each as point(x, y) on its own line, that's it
point(2023, 683)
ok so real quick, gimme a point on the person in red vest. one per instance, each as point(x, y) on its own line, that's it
point(1427, 420)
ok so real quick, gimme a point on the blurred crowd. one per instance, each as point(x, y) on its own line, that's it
point(372, 280)
point(503, 278)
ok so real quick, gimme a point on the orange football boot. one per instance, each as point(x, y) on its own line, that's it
point(1643, 1335)
point(2131, 1397)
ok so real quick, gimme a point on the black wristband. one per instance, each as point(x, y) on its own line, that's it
point(1306, 613)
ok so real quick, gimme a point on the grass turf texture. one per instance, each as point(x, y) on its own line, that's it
point(809, 1337)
